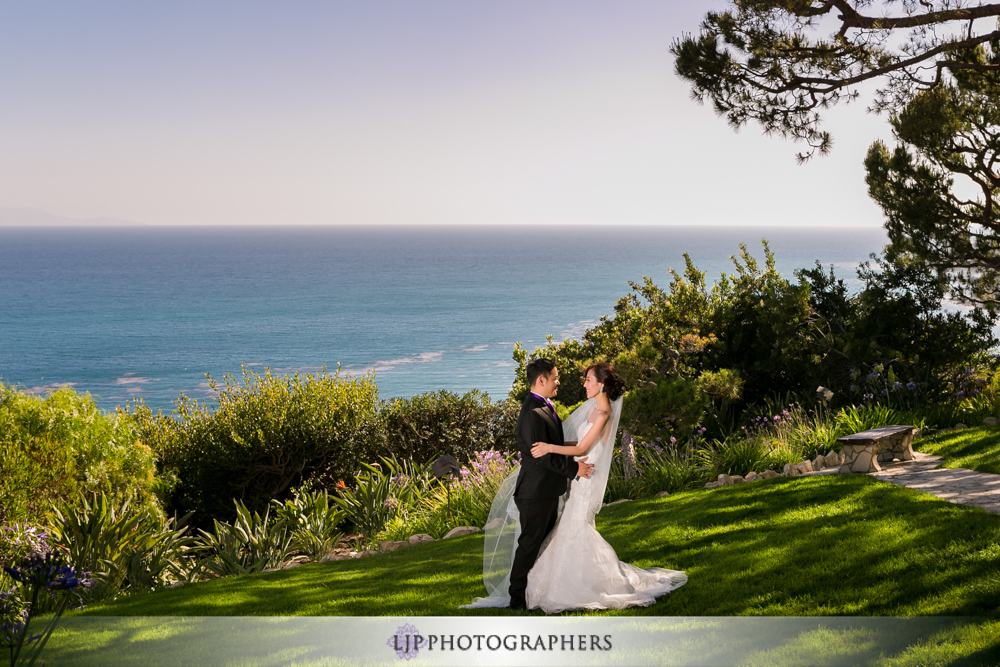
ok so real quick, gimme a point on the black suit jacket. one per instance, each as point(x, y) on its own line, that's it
point(546, 476)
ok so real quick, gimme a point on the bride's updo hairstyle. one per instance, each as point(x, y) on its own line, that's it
point(605, 373)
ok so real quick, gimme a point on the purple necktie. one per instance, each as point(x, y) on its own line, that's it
point(552, 408)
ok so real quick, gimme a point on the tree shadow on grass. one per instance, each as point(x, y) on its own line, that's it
point(826, 545)
point(976, 448)
point(418, 580)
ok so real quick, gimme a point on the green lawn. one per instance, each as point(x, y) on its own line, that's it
point(823, 545)
point(976, 448)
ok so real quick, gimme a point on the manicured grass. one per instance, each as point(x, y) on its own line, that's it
point(826, 545)
point(975, 448)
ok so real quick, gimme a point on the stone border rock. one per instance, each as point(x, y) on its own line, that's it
point(833, 459)
point(385, 546)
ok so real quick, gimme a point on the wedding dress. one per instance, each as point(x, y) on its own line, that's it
point(576, 568)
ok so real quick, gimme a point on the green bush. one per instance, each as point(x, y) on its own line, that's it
point(445, 505)
point(667, 469)
point(252, 543)
point(124, 549)
point(754, 335)
point(372, 502)
point(261, 438)
point(675, 404)
point(58, 449)
point(424, 427)
point(314, 521)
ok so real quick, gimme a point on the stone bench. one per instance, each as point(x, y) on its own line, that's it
point(863, 451)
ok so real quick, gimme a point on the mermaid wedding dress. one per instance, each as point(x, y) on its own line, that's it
point(576, 568)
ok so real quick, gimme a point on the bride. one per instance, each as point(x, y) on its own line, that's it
point(576, 568)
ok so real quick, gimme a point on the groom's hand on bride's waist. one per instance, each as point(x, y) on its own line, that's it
point(584, 469)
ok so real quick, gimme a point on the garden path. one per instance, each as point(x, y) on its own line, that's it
point(957, 485)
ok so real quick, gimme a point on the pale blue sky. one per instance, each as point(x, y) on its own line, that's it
point(377, 112)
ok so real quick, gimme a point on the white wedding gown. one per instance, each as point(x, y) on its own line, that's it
point(576, 568)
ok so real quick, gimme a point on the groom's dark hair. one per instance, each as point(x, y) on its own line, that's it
point(537, 367)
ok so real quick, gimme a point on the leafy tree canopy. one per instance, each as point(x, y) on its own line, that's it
point(940, 186)
point(780, 63)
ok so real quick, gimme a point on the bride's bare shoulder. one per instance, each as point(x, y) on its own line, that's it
point(594, 411)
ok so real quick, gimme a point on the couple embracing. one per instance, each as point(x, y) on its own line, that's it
point(535, 558)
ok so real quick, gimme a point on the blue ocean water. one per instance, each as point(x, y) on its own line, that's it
point(148, 311)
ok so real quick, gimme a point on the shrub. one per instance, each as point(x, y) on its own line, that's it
point(666, 468)
point(252, 543)
point(464, 502)
point(314, 521)
point(674, 405)
point(261, 438)
point(123, 549)
point(56, 450)
point(380, 495)
point(854, 419)
point(424, 427)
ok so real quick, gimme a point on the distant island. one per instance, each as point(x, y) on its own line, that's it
point(33, 217)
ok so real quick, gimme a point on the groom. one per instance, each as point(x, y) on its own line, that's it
point(542, 480)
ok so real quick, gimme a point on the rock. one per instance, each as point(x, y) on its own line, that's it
point(991, 421)
point(387, 545)
point(176, 584)
point(863, 462)
point(819, 462)
point(366, 553)
point(959, 426)
point(420, 538)
point(495, 523)
point(289, 566)
point(620, 500)
point(769, 474)
point(791, 470)
point(736, 479)
point(723, 479)
point(832, 459)
point(752, 476)
point(713, 485)
point(804, 467)
point(460, 531)
point(329, 557)
point(661, 494)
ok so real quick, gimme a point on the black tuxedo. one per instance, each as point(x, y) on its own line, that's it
point(544, 477)
point(539, 485)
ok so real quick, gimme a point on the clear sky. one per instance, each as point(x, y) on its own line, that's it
point(391, 112)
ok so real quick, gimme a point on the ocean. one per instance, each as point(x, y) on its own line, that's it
point(127, 312)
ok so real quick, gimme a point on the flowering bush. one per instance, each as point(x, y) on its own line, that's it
point(21, 540)
point(36, 577)
point(448, 504)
